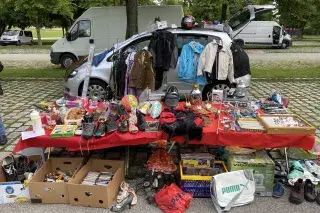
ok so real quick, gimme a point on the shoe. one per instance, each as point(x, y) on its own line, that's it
point(133, 122)
point(135, 198)
point(3, 140)
point(9, 168)
point(101, 128)
point(123, 126)
point(87, 130)
point(297, 192)
point(22, 166)
point(123, 193)
point(278, 190)
point(309, 191)
point(122, 111)
point(313, 168)
point(296, 172)
point(142, 125)
point(120, 207)
point(111, 125)
point(318, 198)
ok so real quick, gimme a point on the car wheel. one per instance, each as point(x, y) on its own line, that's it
point(66, 60)
point(97, 90)
point(208, 88)
point(284, 45)
point(18, 43)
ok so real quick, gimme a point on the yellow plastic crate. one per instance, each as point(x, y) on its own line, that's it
point(198, 177)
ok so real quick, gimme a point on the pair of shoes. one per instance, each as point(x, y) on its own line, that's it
point(123, 193)
point(142, 124)
point(9, 168)
point(22, 166)
point(3, 140)
point(303, 191)
point(133, 122)
point(313, 168)
point(278, 190)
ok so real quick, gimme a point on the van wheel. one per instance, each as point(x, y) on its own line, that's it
point(66, 60)
point(284, 45)
point(18, 43)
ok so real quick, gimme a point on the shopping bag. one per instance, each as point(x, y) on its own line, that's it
point(171, 199)
point(231, 189)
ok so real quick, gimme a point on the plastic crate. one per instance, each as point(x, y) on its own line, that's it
point(199, 186)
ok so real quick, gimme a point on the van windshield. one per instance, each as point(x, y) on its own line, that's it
point(10, 32)
point(240, 19)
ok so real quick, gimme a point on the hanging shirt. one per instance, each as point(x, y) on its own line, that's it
point(129, 63)
point(188, 63)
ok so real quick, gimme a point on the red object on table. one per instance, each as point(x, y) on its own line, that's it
point(209, 137)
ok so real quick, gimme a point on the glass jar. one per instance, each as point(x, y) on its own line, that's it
point(241, 89)
point(196, 95)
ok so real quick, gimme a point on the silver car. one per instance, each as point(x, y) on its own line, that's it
point(101, 75)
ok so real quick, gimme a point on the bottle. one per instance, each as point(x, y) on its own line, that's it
point(196, 96)
point(63, 111)
point(36, 122)
point(241, 89)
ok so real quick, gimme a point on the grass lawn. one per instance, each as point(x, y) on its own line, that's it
point(33, 73)
point(256, 73)
point(286, 73)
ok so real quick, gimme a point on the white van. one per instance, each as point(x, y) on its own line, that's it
point(107, 26)
point(264, 33)
point(16, 37)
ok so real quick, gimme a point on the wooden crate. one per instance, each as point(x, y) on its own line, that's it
point(274, 129)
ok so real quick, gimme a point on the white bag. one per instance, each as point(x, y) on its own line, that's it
point(232, 189)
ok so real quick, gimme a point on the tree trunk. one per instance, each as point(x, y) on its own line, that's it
point(132, 17)
point(63, 31)
point(2, 28)
point(224, 13)
point(39, 35)
point(122, 2)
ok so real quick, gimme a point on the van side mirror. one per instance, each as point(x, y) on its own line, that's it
point(68, 37)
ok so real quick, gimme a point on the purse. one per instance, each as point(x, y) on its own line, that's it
point(231, 189)
point(171, 98)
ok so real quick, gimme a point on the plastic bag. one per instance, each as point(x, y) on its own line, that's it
point(171, 199)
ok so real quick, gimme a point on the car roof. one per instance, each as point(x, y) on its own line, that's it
point(224, 36)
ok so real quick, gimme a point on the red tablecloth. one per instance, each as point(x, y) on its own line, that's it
point(209, 137)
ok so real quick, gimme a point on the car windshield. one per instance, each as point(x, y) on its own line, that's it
point(10, 32)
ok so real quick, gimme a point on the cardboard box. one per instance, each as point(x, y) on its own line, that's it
point(263, 170)
point(51, 192)
point(96, 196)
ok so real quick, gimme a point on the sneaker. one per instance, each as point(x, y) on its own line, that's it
point(111, 125)
point(9, 168)
point(123, 126)
point(309, 191)
point(318, 198)
point(87, 130)
point(142, 125)
point(278, 190)
point(101, 128)
point(297, 192)
point(22, 166)
point(133, 123)
point(313, 168)
point(3, 140)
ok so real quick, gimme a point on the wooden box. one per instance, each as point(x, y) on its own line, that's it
point(268, 121)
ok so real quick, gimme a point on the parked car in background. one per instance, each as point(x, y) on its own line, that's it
point(16, 37)
point(106, 26)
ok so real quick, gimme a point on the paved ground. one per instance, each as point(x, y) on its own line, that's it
point(20, 96)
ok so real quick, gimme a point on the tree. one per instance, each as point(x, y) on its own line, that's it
point(40, 10)
point(132, 17)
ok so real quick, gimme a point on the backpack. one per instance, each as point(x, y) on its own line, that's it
point(171, 98)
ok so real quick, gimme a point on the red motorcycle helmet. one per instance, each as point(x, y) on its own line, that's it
point(188, 22)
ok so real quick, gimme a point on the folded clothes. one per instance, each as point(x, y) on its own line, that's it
point(97, 178)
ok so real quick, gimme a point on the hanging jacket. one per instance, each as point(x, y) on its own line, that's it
point(225, 69)
point(163, 47)
point(241, 61)
point(188, 63)
point(142, 75)
point(129, 63)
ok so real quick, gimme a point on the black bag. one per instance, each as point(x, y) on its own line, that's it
point(171, 98)
point(184, 126)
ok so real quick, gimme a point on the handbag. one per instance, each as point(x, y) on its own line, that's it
point(171, 98)
point(231, 189)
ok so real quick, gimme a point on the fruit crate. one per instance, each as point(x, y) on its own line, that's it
point(199, 186)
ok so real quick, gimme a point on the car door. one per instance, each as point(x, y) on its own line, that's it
point(171, 76)
point(21, 37)
point(264, 33)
